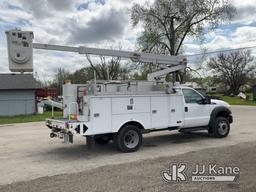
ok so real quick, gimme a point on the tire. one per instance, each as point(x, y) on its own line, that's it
point(221, 127)
point(128, 139)
point(103, 139)
point(209, 131)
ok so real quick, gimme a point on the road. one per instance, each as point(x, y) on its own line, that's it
point(27, 152)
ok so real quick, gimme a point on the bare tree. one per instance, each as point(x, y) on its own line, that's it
point(60, 78)
point(81, 76)
point(110, 69)
point(167, 23)
point(233, 69)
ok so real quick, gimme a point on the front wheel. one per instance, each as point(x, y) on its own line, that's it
point(128, 139)
point(221, 127)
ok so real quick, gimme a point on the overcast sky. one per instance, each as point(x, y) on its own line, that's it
point(102, 24)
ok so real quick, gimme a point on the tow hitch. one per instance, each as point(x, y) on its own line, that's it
point(52, 135)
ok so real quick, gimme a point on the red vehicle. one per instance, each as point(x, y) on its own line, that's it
point(46, 92)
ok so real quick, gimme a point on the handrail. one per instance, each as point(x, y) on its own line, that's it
point(52, 109)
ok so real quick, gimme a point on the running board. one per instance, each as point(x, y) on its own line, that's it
point(144, 131)
point(184, 130)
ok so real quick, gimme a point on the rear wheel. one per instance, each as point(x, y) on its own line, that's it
point(128, 139)
point(221, 127)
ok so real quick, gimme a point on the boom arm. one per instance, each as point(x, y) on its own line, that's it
point(134, 56)
point(20, 49)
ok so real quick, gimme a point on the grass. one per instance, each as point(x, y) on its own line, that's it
point(29, 118)
point(236, 100)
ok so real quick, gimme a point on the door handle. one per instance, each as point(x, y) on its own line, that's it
point(96, 114)
point(154, 111)
point(186, 109)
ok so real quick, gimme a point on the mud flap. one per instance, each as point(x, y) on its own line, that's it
point(90, 142)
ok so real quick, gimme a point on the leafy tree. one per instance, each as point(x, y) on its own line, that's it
point(233, 69)
point(167, 23)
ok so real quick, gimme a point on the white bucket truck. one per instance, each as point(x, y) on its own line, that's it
point(123, 111)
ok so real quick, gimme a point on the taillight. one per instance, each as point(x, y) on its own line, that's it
point(85, 92)
point(73, 117)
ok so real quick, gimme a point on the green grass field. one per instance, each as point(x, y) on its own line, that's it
point(236, 100)
point(29, 118)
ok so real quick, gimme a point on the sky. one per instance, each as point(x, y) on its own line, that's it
point(102, 24)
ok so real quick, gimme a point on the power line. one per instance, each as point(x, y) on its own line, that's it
point(220, 51)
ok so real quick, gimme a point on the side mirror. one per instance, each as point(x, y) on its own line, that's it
point(206, 100)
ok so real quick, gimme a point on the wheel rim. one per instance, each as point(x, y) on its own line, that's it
point(222, 127)
point(131, 139)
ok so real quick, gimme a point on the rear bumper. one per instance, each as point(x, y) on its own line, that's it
point(67, 127)
point(56, 125)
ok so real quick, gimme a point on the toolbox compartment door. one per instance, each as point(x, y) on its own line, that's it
point(101, 115)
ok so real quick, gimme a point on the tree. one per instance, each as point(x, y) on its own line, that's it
point(110, 69)
point(167, 23)
point(233, 69)
point(60, 78)
point(81, 76)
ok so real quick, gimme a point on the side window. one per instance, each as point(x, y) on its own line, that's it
point(191, 96)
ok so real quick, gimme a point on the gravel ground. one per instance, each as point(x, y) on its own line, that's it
point(146, 175)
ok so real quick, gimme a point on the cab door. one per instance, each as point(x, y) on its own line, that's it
point(196, 114)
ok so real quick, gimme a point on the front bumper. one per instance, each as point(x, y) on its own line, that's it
point(230, 118)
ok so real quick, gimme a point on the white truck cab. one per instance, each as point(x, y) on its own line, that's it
point(198, 109)
point(122, 112)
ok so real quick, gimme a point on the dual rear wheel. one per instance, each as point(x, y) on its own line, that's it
point(128, 139)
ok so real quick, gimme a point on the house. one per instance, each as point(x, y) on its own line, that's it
point(17, 94)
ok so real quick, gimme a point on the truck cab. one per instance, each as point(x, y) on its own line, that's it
point(198, 108)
